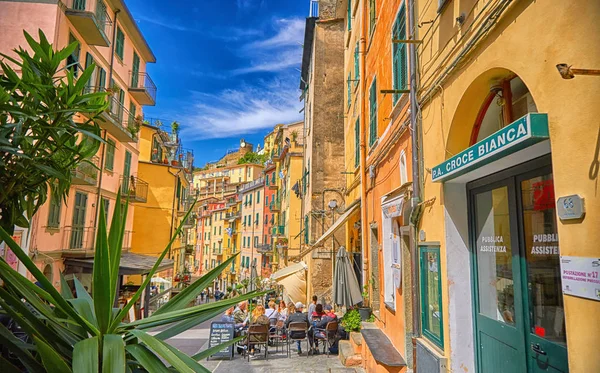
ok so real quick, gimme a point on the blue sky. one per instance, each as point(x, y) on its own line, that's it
point(225, 69)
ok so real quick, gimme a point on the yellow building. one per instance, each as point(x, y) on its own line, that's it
point(510, 153)
point(167, 168)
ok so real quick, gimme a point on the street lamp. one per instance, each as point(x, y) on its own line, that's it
point(566, 72)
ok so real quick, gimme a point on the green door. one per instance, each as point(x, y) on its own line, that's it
point(519, 313)
point(126, 173)
point(78, 224)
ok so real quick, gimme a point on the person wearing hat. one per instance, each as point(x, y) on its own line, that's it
point(299, 316)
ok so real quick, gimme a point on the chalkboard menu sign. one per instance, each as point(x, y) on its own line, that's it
point(221, 332)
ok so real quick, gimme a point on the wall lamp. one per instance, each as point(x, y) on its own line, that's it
point(569, 73)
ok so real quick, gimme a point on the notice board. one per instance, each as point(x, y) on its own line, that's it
point(221, 332)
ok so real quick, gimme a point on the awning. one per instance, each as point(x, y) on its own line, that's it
point(288, 270)
point(293, 280)
point(341, 220)
point(131, 264)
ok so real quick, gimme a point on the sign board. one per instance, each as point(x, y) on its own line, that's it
point(570, 207)
point(221, 332)
point(525, 131)
point(580, 276)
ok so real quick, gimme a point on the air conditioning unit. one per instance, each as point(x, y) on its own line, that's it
point(429, 360)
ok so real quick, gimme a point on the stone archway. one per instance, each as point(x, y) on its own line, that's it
point(48, 272)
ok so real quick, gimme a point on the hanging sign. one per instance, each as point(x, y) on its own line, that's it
point(580, 276)
point(525, 131)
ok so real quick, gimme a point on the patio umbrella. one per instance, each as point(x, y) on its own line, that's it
point(160, 280)
point(346, 291)
point(253, 277)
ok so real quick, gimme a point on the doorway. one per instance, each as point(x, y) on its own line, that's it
point(517, 297)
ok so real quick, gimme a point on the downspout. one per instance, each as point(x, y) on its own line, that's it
point(112, 50)
point(416, 181)
point(363, 149)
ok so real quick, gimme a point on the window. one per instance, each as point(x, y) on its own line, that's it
point(258, 197)
point(349, 15)
point(73, 58)
point(110, 155)
point(403, 172)
point(372, 16)
point(357, 143)
point(373, 112)
point(356, 65)
point(257, 219)
point(89, 60)
point(399, 67)
point(219, 231)
point(132, 113)
point(255, 241)
point(267, 198)
point(431, 294)
point(250, 200)
point(54, 214)
point(135, 70)
point(120, 43)
point(349, 89)
point(106, 205)
point(306, 230)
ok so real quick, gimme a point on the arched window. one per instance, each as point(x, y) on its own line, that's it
point(495, 112)
point(403, 171)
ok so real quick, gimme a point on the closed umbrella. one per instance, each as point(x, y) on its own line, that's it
point(346, 291)
point(253, 277)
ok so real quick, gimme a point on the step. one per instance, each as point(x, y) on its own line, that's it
point(347, 355)
point(356, 341)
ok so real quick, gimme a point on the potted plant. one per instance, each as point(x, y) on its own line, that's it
point(174, 162)
point(294, 135)
point(351, 321)
point(365, 310)
point(175, 127)
point(165, 161)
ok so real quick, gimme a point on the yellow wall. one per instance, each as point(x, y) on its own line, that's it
point(530, 39)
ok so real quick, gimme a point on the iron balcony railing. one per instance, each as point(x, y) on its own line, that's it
point(264, 248)
point(275, 205)
point(78, 238)
point(278, 230)
point(86, 172)
point(134, 189)
point(91, 19)
point(142, 83)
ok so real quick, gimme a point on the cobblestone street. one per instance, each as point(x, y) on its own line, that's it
point(194, 340)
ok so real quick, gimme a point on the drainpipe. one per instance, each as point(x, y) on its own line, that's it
point(112, 50)
point(363, 148)
point(416, 181)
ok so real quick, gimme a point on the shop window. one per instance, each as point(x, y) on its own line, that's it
point(431, 294)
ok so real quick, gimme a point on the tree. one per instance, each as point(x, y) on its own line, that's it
point(40, 141)
point(253, 157)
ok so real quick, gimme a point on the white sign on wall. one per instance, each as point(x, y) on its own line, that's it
point(580, 276)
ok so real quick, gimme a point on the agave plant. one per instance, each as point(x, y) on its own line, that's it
point(84, 333)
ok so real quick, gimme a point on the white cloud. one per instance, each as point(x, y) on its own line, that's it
point(244, 110)
point(165, 24)
point(276, 53)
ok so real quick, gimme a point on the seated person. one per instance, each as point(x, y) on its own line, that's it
point(328, 316)
point(271, 312)
point(318, 313)
point(240, 315)
point(258, 317)
point(296, 315)
point(228, 315)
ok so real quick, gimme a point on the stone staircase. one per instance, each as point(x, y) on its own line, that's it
point(350, 351)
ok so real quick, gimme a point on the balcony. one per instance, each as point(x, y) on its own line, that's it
point(189, 249)
point(264, 249)
point(275, 206)
point(278, 230)
point(142, 88)
point(86, 173)
point(91, 20)
point(273, 184)
point(190, 222)
point(134, 189)
point(231, 216)
point(117, 120)
point(78, 238)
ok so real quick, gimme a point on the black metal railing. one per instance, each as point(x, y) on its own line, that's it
point(78, 238)
point(100, 13)
point(134, 188)
point(142, 80)
point(86, 172)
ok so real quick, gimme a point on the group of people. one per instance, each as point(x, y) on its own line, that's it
point(317, 317)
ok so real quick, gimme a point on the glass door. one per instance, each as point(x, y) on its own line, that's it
point(498, 302)
point(546, 337)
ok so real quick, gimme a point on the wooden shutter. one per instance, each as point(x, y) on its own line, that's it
point(356, 143)
point(373, 112)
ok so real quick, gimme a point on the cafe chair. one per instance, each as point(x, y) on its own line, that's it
point(298, 329)
point(257, 335)
point(328, 335)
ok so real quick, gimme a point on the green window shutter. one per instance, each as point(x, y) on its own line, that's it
point(431, 294)
point(306, 230)
point(54, 214)
point(349, 89)
point(250, 201)
point(258, 197)
point(135, 70)
point(110, 155)
point(373, 112)
point(357, 142)
point(349, 15)
point(399, 63)
point(120, 43)
point(372, 15)
point(132, 113)
point(101, 79)
point(106, 205)
point(73, 58)
point(257, 218)
point(126, 172)
point(89, 61)
point(356, 65)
